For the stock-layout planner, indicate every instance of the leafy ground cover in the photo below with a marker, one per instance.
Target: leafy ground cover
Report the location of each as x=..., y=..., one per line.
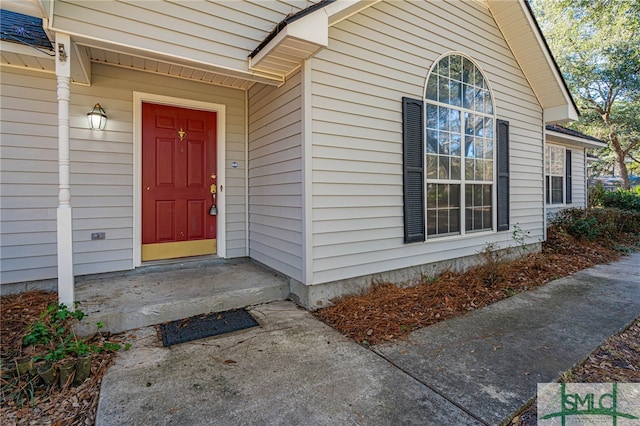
x=36, y=328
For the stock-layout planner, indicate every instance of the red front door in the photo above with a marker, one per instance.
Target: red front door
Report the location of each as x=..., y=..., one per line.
x=178, y=176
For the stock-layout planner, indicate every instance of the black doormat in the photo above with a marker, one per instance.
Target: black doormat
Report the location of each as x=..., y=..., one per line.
x=202, y=326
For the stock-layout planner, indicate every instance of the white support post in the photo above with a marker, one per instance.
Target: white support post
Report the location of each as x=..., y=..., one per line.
x=66, y=290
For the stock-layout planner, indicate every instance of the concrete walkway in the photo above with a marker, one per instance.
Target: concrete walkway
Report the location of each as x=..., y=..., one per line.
x=294, y=370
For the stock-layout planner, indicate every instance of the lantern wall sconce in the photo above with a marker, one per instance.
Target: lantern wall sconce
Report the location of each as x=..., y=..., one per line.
x=97, y=118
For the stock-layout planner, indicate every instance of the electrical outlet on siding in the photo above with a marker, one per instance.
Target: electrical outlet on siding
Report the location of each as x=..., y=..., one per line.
x=98, y=235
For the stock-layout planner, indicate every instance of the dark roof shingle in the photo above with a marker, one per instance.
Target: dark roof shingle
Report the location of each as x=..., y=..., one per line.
x=24, y=29
x=566, y=131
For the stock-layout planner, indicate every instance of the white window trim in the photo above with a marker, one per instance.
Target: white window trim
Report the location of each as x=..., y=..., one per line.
x=462, y=181
x=547, y=194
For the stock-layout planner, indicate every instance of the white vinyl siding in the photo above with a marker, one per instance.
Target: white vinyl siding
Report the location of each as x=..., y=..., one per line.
x=275, y=176
x=373, y=59
x=28, y=177
x=221, y=33
x=101, y=169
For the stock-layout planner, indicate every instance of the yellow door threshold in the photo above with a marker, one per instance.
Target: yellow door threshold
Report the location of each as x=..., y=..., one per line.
x=178, y=249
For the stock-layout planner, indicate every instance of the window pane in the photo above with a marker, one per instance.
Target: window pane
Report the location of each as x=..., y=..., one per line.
x=467, y=96
x=486, y=194
x=432, y=88
x=443, y=195
x=468, y=169
x=488, y=106
x=478, y=147
x=468, y=123
x=454, y=195
x=488, y=148
x=487, y=217
x=556, y=189
x=443, y=89
x=455, y=144
x=468, y=71
x=478, y=80
x=477, y=219
x=432, y=117
x=443, y=118
x=488, y=126
x=455, y=93
x=454, y=220
x=547, y=160
x=431, y=222
x=431, y=196
x=444, y=66
x=455, y=168
x=478, y=124
x=478, y=101
x=443, y=221
x=432, y=166
x=469, y=151
x=443, y=167
x=477, y=195
x=432, y=141
x=443, y=143
x=455, y=67
x=454, y=120
x=488, y=170
x=479, y=174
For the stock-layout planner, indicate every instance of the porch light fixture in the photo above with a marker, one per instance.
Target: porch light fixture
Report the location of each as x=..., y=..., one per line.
x=97, y=118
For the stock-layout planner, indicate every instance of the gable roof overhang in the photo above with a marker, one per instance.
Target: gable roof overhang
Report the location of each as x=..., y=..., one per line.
x=521, y=31
x=562, y=135
x=301, y=35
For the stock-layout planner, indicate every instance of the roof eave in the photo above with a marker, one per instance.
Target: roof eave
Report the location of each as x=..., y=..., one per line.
x=555, y=99
x=301, y=36
x=557, y=137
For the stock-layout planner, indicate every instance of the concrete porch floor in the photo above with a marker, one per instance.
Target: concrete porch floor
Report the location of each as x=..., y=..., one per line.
x=157, y=293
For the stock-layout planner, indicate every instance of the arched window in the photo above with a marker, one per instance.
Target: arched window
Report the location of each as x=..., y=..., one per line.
x=459, y=166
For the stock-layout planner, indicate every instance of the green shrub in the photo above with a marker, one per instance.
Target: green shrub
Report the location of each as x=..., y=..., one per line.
x=607, y=225
x=624, y=199
x=595, y=195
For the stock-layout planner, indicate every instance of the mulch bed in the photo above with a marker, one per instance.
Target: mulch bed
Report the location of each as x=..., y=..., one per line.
x=384, y=313
x=24, y=401
x=389, y=312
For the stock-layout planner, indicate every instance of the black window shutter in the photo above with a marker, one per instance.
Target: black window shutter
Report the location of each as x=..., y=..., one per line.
x=413, y=166
x=567, y=171
x=503, y=175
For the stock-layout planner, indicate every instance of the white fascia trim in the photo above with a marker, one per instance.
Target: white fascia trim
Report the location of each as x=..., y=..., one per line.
x=572, y=113
x=560, y=114
x=220, y=110
x=22, y=49
x=344, y=9
x=561, y=138
x=312, y=28
x=178, y=60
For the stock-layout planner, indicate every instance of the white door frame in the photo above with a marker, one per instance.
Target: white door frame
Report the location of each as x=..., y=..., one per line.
x=220, y=110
